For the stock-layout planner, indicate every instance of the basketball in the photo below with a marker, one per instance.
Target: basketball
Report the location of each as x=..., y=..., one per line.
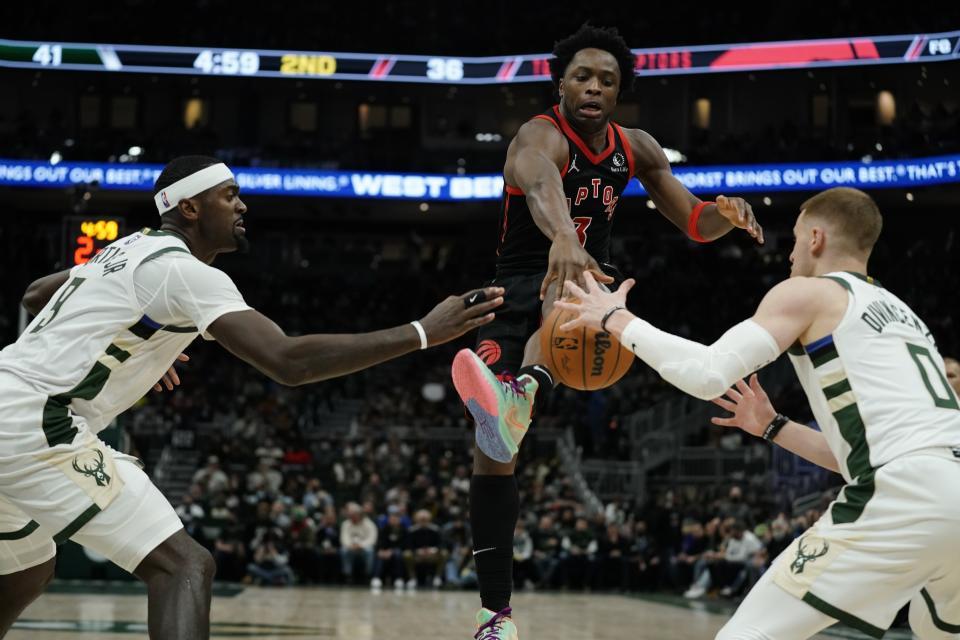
x=584, y=359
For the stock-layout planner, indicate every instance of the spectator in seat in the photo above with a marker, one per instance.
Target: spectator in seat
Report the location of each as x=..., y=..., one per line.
x=391, y=544
x=426, y=555
x=358, y=539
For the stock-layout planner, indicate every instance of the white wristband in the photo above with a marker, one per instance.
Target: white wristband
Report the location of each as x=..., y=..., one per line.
x=423, y=334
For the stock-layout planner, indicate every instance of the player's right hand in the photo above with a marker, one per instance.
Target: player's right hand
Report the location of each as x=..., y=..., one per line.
x=568, y=260
x=171, y=379
x=458, y=314
x=751, y=408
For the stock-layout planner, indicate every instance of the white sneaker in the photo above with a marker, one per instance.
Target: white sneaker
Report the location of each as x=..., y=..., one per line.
x=376, y=584
x=437, y=582
x=398, y=584
x=694, y=592
x=412, y=584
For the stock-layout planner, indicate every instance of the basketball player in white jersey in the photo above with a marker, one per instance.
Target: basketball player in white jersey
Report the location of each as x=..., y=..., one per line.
x=103, y=334
x=889, y=423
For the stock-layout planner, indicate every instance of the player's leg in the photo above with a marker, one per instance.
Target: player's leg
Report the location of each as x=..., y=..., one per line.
x=486, y=384
x=27, y=558
x=179, y=578
x=501, y=383
x=18, y=590
x=770, y=613
x=141, y=533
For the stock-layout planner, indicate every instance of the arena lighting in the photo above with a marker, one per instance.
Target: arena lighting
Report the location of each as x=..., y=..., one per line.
x=708, y=180
x=674, y=156
x=319, y=65
x=55, y=158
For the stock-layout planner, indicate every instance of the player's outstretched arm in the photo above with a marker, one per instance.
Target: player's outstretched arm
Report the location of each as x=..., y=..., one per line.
x=703, y=371
x=534, y=162
x=40, y=291
x=296, y=360
x=676, y=202
x=751, y=411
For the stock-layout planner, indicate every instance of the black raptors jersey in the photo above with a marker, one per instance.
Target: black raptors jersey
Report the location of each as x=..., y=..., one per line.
x=593, y=184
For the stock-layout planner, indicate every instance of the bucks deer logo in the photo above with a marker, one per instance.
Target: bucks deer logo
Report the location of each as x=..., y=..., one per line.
x=93, y=468
x=806, y=554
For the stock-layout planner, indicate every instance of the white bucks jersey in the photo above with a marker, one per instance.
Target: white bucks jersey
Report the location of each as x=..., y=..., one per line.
x=93, y=351
x=877, y=385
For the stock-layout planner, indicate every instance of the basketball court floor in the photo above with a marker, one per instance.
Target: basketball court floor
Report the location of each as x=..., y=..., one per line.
x=90, y=611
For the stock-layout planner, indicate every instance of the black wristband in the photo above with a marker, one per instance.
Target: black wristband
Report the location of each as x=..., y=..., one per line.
x=774, y=427
x=606, y=316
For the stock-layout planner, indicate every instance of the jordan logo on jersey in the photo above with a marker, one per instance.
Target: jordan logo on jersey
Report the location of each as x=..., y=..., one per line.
x=93, y=467
x=573, y=165
x=805, y=555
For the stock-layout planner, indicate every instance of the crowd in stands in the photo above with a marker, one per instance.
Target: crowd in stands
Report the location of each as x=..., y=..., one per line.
x=395, y=513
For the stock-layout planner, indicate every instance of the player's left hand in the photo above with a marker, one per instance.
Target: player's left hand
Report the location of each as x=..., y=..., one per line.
x=739, y=213
x=170, y=379
x=751, y=407
x=594, y=302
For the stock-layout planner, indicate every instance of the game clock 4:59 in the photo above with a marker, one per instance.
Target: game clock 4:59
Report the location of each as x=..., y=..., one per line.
x=85, y=236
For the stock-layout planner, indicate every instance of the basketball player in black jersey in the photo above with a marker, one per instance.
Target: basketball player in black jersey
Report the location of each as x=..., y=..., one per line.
x=565, y=173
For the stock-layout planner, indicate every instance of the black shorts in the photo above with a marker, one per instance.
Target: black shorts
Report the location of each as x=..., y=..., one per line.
x=501, y=343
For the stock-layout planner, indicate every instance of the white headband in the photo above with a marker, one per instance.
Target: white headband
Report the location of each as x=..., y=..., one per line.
x=191, y=185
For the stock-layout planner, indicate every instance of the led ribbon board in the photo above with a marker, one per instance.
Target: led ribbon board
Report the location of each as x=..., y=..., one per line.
x=761, y=56
x=732, y=179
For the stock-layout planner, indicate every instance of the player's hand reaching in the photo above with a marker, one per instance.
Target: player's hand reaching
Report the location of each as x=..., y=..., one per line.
x=740, y=214
x=458, y=314
x=171, y=379
x=568, y=261
x=750, y=406
x=595, y=302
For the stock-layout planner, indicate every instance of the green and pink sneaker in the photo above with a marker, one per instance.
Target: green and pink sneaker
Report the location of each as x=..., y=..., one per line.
x=495, y=625
x=501, y=406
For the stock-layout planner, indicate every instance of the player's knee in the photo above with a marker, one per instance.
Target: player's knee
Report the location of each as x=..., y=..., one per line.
x=205, y=564
x=196, y=562
x=181, y=558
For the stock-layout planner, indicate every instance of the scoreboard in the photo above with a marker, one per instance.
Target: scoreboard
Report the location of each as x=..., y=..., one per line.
x=85, y=236
x=195, y=61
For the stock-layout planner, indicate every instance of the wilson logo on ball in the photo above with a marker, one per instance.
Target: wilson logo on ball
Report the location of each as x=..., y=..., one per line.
x=601, y=345
x=489, y=351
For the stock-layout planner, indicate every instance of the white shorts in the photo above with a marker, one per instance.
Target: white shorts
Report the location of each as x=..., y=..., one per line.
x=83, y=491
x=883, y=543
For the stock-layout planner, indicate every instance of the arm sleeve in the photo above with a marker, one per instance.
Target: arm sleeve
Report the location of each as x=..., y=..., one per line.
x=182, y=291
x=702, y=371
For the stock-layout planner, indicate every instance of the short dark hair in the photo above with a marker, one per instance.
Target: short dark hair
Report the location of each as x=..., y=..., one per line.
x=851, y=212
x=590, y=37
x=180, y=168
